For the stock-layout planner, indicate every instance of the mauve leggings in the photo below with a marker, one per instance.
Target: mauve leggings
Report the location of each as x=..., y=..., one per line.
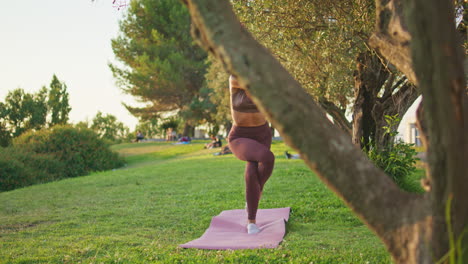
x=252, y=144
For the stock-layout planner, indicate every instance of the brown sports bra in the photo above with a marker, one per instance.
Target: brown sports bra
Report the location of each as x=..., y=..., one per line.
x=241, y=102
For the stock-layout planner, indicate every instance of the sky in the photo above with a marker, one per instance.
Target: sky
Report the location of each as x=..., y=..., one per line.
x=68, y=38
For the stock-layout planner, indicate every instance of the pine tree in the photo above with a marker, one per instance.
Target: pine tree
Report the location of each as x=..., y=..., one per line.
x=162, y=65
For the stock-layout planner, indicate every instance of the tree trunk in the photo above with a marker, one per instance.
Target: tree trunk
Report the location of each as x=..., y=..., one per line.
x=409, y=222
x=188, y=130
x=369, y=78
x=377, y=95
x=438, y=63
x=228, y=127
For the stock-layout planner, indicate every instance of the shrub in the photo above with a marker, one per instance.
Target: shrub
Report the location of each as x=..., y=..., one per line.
x=397, y=161
x=20, y=167
x=5, y=136
x=398, y=158
x=79, y=149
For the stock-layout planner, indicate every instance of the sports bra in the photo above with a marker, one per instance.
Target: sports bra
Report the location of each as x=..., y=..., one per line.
x=241, y=102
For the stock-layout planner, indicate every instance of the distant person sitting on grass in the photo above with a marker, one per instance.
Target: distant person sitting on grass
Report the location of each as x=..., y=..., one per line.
x=184, y=140
x=224, y=150
x=215, y=143
x=139, y=136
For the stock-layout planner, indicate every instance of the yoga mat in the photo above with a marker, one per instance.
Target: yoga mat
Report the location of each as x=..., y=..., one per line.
x=228, y=230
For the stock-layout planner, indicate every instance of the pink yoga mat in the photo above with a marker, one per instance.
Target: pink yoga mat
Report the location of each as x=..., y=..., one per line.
x=228, y=230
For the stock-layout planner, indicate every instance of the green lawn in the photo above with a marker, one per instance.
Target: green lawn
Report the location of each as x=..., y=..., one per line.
x=166, y=196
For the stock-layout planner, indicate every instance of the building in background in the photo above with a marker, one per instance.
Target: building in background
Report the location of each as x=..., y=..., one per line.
x=408, y=131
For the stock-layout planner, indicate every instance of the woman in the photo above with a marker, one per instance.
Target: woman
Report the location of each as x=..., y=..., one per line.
x=250, y=141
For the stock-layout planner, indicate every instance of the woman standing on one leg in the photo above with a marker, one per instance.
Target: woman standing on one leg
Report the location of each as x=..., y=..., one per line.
x=250, y=141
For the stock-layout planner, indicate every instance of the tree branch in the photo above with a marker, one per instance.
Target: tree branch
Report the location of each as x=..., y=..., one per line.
x=391, y=38
x=388, y=89
x=397, y=53
x=337, y=113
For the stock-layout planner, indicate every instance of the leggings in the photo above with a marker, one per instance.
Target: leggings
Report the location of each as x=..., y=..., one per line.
x=252, y=144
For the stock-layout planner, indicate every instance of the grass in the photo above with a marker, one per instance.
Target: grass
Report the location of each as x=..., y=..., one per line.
x=166, y=196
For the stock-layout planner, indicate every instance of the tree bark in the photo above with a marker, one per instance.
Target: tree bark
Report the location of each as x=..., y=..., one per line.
x=391, y=37
x=438, y=63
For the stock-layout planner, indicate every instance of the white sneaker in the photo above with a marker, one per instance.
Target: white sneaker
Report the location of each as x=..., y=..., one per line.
x=252, y=229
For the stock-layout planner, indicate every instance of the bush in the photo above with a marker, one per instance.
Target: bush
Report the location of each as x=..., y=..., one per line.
x=79, y=149
x=397, y=159
x=48, y=155
x=5, y=136
x=20, y=167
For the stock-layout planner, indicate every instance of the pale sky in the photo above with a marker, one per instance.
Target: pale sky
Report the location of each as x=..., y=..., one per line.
x=69, y=38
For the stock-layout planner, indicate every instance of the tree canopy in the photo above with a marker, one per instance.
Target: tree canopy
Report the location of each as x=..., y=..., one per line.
x=161, y=65
x=317, y=41
x=22, y=111
x=107, y=127
x=324, y=45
